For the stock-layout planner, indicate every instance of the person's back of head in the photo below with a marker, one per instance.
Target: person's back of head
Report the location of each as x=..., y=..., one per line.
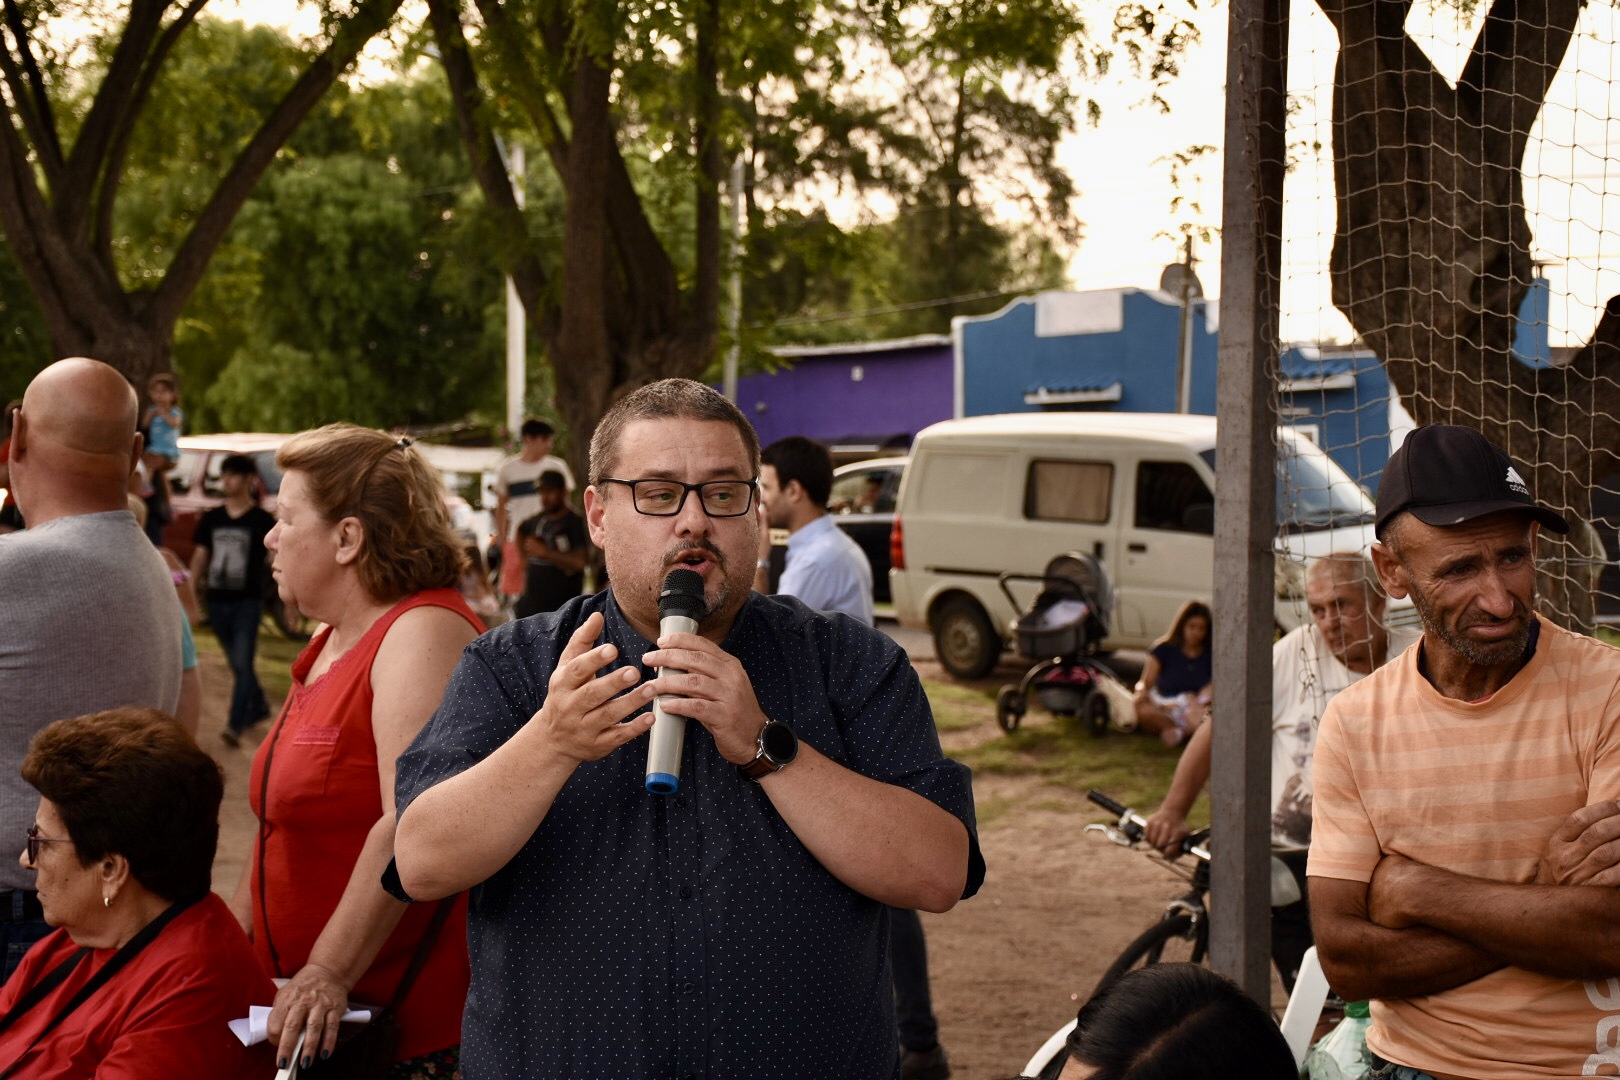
x=804, y=460
x=73, y=441
x=1178, y=1022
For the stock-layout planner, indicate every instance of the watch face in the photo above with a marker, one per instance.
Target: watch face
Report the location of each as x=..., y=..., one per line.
x=781, y=745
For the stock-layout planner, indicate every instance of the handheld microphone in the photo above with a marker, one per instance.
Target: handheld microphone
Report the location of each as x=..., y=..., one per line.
x=680, y=606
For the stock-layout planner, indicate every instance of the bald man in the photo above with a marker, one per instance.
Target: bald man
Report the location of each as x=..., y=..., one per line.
x=90, y=621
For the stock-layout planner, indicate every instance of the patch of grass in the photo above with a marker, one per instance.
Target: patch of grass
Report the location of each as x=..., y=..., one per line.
x=1058, y=751
x=958, y=708
x=986, y=812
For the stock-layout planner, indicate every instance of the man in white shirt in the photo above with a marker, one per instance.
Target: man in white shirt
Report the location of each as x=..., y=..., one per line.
x=828, y=571
x=1344, y=641
x=825, y=568
x=517, y=497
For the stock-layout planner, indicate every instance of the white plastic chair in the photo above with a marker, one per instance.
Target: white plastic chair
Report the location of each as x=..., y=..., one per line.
x=1305, y=1005
x=1049, y=1050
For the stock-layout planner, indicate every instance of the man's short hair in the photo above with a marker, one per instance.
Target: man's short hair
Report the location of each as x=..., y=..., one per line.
x=804, y=460
x=240, y=464
x=554, y=480
x=667, y=399
x=536, y=429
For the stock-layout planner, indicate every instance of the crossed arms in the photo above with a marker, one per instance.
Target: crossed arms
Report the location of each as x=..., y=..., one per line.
x=1416, y=929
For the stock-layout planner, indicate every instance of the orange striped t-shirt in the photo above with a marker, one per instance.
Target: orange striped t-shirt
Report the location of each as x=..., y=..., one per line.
x=1477, y=788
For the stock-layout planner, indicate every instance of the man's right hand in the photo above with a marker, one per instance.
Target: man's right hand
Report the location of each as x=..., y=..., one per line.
x=582, y=714
x=1585, y=849
x=1166, y=830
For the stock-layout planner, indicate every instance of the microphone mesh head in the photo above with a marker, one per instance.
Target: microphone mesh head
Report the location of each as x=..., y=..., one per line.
x=682, y=595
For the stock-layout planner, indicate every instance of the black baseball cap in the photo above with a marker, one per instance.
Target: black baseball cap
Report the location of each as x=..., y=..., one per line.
x=1447, y=475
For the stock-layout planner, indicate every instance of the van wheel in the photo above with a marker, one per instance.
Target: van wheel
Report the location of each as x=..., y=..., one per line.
x=964, y=640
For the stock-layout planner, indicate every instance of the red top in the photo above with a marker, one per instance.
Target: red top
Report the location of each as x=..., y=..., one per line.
x=323, y=801
x=164, y=1014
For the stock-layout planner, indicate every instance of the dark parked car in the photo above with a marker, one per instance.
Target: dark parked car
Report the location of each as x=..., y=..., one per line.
x=862, y=504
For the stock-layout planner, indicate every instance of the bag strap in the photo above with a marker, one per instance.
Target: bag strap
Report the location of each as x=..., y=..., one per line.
x=264, y=833
x=423, y=948
x=42, y=989
x=120, y=960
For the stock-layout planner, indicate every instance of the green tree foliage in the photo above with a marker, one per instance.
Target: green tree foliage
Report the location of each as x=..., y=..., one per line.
x=352, y=285
x=948, y=112
x=78, y=82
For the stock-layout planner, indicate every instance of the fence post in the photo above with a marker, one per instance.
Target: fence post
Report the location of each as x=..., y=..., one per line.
x=1245, y=502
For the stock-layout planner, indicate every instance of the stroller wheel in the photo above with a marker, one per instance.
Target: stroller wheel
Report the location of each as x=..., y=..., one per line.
x=1096, y=714
x=1010, y=706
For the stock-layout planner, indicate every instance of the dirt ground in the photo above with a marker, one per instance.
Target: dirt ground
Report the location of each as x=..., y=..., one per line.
x=1008, y=967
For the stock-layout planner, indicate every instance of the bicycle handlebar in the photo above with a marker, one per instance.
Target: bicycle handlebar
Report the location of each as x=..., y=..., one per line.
x=1134, y=826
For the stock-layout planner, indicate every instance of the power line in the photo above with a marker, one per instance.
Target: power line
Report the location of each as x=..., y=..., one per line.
x=849, y=316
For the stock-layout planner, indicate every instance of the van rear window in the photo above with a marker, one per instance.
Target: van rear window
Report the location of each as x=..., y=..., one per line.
x=1069, y=491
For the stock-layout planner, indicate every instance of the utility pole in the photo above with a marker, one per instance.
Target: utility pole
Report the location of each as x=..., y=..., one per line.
x=516, y=318
x=1189, y=285
x=739, y=174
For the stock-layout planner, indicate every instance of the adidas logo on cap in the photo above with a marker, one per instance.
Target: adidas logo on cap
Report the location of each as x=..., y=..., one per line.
x=1516, y=482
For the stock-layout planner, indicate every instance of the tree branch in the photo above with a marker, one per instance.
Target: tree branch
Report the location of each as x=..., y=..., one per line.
x=191, y=260
x=28, y=94
x=1516, y=55
x=112, y=171
x=531, y=93
x=528, y=275
x=73, y=196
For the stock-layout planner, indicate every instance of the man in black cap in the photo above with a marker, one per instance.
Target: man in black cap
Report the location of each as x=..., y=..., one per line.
x=1462, y=789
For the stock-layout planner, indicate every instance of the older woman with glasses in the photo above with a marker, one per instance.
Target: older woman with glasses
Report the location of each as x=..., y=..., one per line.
x=146, y=966
x=363, y=543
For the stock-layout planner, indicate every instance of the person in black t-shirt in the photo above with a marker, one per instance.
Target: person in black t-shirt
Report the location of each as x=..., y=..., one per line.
x=556, y=547
x=228, y=567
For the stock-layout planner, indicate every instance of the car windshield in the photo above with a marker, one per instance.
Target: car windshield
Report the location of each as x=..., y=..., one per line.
x=1312, y=491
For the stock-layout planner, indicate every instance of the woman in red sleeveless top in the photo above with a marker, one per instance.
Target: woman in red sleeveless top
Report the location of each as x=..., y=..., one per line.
x=363, y=543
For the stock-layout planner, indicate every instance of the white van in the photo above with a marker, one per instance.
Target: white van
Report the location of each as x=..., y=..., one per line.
x=988, y=494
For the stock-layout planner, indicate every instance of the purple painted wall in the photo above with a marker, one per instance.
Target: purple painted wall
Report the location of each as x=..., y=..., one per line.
x=852, y=396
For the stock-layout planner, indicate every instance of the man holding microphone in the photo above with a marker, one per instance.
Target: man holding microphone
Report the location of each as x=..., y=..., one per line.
x=734, y=928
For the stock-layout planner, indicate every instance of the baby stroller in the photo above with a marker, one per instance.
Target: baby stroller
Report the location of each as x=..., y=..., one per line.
x=1061, y=632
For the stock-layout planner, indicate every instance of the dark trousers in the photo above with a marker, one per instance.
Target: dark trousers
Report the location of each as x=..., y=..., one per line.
x=908, y=958
x=1291, y=925
x=236, y=624
x=21, y=924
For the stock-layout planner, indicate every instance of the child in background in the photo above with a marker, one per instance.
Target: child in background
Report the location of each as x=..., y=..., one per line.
x=162, y=422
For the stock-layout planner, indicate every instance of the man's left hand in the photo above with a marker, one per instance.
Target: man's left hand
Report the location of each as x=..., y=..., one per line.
x=713, y=690
x=1393, y=875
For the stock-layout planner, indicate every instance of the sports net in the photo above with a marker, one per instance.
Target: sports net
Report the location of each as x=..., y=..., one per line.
x=1449, y=253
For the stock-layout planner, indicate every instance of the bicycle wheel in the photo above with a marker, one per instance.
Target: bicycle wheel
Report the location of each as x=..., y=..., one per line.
x=1175, y=939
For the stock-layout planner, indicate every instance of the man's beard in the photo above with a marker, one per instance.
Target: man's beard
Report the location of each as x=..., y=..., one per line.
x=1502, y=652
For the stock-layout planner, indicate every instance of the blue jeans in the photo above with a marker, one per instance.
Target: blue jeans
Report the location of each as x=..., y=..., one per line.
x=236, y=624
x=17, y=933
x=1388, y=1070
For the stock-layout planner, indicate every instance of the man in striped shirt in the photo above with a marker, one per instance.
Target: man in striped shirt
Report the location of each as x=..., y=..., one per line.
x=1464, y=790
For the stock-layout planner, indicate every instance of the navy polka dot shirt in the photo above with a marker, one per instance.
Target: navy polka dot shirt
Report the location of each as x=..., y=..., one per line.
x=638, y=935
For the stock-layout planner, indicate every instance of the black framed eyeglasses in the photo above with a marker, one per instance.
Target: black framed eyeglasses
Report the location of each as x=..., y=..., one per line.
x=34, y=840
x=664, y=498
